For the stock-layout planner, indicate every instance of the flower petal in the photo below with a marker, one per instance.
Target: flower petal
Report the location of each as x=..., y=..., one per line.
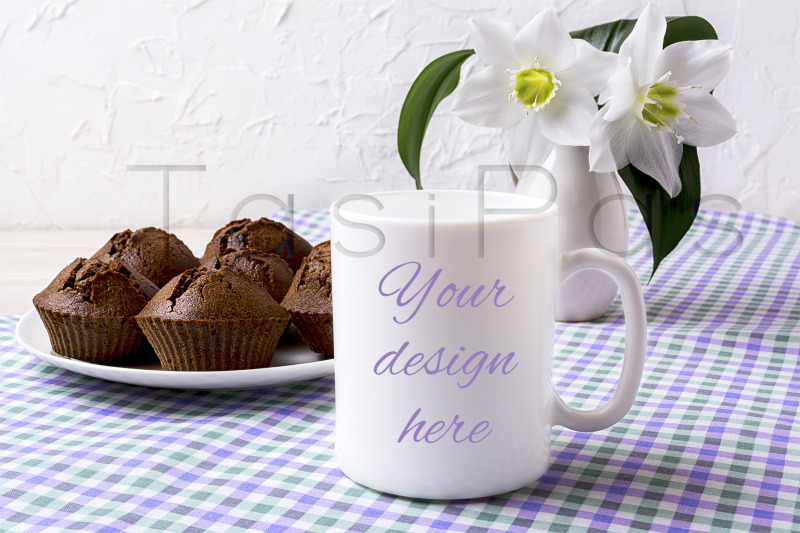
x=609, y=142
x=703, y=63
x=544, y=36
x=525, y=146
x=624, y=89
x=644, y=43
x=483, y=100
x=592, y=68
x=567, y=117
x=714, y=123
x=656, y=153
x=493, y=41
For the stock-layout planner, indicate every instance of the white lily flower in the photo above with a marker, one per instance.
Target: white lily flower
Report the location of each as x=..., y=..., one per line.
x=538, y=86
x=659, y=101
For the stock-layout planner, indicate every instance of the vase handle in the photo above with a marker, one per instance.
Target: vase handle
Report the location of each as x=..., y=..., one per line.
x=635, y=342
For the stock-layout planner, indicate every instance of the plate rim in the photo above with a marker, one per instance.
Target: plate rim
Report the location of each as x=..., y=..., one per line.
x=315, y=369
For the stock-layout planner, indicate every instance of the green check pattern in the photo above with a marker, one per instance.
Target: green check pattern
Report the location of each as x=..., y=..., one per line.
x=712, y=443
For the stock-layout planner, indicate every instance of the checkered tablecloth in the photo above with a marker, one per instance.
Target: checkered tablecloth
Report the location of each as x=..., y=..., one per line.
x=712, y=443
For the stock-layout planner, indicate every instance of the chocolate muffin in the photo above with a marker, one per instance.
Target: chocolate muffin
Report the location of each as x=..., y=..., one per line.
x=264, y=235
x=270, y=270
x=155, y=253
x=88, y=310
x=213, y=320
x=309, y=300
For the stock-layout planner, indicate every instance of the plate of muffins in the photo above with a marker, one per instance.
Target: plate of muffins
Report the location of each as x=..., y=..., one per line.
x=253, y=311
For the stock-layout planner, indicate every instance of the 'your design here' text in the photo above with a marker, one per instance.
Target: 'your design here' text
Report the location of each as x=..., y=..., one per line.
x=412, y=291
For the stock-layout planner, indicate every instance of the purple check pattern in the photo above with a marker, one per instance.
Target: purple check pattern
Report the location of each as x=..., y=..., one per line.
x=711, y=444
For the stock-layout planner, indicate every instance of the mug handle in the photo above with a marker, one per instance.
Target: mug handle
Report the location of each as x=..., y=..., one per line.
x=635, y=342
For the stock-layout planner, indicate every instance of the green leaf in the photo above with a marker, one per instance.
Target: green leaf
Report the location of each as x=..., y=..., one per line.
x=688, y=29
x=607, y=37
x=610, y=36
x=668, y=219
x=433, y=84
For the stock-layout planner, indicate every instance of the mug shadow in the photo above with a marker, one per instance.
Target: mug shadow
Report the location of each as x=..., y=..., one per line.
x=668, y=484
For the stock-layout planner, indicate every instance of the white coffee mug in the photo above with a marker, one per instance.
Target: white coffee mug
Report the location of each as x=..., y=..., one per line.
x=443, y=306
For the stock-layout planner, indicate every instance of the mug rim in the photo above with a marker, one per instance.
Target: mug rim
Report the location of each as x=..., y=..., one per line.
x=490, y=218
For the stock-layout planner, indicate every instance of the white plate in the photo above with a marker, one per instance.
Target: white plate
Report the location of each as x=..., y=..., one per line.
x=291, y=363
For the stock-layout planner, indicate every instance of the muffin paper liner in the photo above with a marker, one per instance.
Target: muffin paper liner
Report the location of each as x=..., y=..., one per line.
x=316, y=329
x=207, y=345
x=101, y=340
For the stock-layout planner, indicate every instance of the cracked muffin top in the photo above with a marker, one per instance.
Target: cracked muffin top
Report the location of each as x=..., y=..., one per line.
x=264, y=235
x=205, y=294
x=91, y=287
x=158, y=255
x=270, y=270
x=311, y=289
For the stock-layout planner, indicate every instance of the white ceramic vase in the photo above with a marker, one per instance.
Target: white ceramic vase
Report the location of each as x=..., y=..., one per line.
x=592, y=215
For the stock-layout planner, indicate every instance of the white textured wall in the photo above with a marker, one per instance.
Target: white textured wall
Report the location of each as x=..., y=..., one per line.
x=303, y=97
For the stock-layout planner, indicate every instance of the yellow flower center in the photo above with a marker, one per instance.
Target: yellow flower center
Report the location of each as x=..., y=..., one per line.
x=665, y=107
x=533, y=86
x=662, y=105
